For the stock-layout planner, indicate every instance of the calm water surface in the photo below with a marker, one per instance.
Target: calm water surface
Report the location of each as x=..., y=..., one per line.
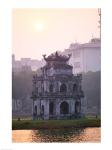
x=57, y=135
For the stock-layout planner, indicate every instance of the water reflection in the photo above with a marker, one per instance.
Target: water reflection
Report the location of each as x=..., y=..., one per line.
x=57, y=135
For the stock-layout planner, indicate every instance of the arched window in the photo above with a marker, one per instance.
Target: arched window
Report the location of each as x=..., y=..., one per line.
x=51, y=108
x=63, y=88
x=64, y=108
x=77, y=107
x=36, y=89
x=51, y=88
x=42, y=111
x=75, y=88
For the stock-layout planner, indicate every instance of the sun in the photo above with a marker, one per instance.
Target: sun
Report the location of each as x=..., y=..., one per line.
x=40, y=26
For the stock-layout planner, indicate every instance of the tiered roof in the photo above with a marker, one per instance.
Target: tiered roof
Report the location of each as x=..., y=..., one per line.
x=57, y=57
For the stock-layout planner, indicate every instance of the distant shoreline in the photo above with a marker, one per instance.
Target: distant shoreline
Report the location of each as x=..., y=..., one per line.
x=55, y=124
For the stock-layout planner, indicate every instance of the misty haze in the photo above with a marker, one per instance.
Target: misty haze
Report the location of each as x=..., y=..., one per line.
x=56, y=74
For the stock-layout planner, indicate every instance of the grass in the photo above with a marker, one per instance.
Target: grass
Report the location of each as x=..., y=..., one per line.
x=55, y=124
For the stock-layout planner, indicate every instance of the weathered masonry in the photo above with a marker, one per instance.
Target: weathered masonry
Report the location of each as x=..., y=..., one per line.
x=57, y=93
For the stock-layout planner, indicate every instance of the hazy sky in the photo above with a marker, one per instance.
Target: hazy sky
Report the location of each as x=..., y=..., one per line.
x=43, y=31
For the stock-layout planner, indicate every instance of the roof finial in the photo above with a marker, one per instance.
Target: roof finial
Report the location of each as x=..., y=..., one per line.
x=56, y=53
x=69, y=55
x=44, y=56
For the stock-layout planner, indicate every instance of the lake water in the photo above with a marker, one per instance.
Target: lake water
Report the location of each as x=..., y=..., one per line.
x=57, y=135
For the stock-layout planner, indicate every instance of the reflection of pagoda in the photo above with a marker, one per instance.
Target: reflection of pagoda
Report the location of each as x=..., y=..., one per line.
x=57, y=92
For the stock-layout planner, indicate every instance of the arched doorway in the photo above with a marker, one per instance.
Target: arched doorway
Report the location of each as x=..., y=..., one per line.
x=35, y=110
x=77, y=107
x=51, y=108
x=51, y=88
x=64, y=108
x=63, y=88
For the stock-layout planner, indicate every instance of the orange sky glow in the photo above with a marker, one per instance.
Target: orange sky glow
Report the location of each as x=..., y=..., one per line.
x=43, y=31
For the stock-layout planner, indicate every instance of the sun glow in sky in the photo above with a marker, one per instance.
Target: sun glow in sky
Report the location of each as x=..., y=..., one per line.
x=42, y=31
x=40, y=26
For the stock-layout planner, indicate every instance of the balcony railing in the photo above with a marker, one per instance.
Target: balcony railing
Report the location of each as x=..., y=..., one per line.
x=65, y=94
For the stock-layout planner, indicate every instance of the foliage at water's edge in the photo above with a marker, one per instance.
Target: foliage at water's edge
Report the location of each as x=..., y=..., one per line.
x=55, y=124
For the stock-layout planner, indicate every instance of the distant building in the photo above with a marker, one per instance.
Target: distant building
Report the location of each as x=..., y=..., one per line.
x=26, y=68
x=16, y=65
x=85, y=57
x=25, y=63
x=57, y=93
